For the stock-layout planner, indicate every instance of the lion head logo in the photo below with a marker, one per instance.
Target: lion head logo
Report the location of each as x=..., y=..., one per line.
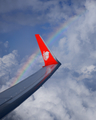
x=45, y=55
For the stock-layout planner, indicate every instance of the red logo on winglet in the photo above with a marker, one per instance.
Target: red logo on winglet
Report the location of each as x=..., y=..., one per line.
x=46, y=54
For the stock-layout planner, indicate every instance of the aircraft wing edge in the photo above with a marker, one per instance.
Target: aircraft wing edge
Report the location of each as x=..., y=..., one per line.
x=14, y=96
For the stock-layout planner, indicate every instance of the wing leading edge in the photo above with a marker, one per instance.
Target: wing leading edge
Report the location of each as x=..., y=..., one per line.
x=14, y=96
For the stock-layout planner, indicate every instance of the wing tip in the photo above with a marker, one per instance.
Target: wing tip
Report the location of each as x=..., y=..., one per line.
x=48, y=58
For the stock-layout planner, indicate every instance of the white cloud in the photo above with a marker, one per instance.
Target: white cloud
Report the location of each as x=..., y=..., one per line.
x=6, y=44
x=65, y=100
x=89, y=69
x=9, y=60
x=13, y=13
x=62, y=43
x=63, y=96
x=3, y=48
x=80, y=43
x=8, y=65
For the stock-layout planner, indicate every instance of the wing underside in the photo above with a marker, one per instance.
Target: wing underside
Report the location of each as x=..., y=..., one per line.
x=14, y=96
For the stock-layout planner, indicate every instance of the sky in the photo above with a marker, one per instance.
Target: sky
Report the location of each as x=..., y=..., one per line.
x=68, y=27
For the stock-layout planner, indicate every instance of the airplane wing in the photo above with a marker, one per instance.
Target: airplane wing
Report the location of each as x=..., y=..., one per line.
x=15, y=95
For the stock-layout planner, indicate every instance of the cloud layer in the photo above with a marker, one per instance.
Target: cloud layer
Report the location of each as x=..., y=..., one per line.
x=14, y=14
x=70, y=93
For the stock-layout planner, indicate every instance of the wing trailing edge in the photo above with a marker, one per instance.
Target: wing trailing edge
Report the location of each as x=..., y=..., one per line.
x=15, y=95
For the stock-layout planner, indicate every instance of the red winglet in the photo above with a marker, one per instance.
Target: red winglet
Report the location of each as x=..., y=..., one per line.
x=46, y=54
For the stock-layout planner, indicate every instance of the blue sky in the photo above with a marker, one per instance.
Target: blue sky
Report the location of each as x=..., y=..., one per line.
x=70, y=93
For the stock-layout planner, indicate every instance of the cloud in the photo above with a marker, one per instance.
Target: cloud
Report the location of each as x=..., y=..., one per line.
x=65, y=100
x=6, y=44
x=7, y=6
x=15, y=14
x=8, y=65
x=70, y=93
x=80, y=40
x=3, y=48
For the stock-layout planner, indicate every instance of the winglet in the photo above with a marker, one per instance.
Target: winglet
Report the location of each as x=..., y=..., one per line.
x=46, y=54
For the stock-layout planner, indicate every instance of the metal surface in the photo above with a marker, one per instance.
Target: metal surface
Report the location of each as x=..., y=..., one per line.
x=14, y=96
